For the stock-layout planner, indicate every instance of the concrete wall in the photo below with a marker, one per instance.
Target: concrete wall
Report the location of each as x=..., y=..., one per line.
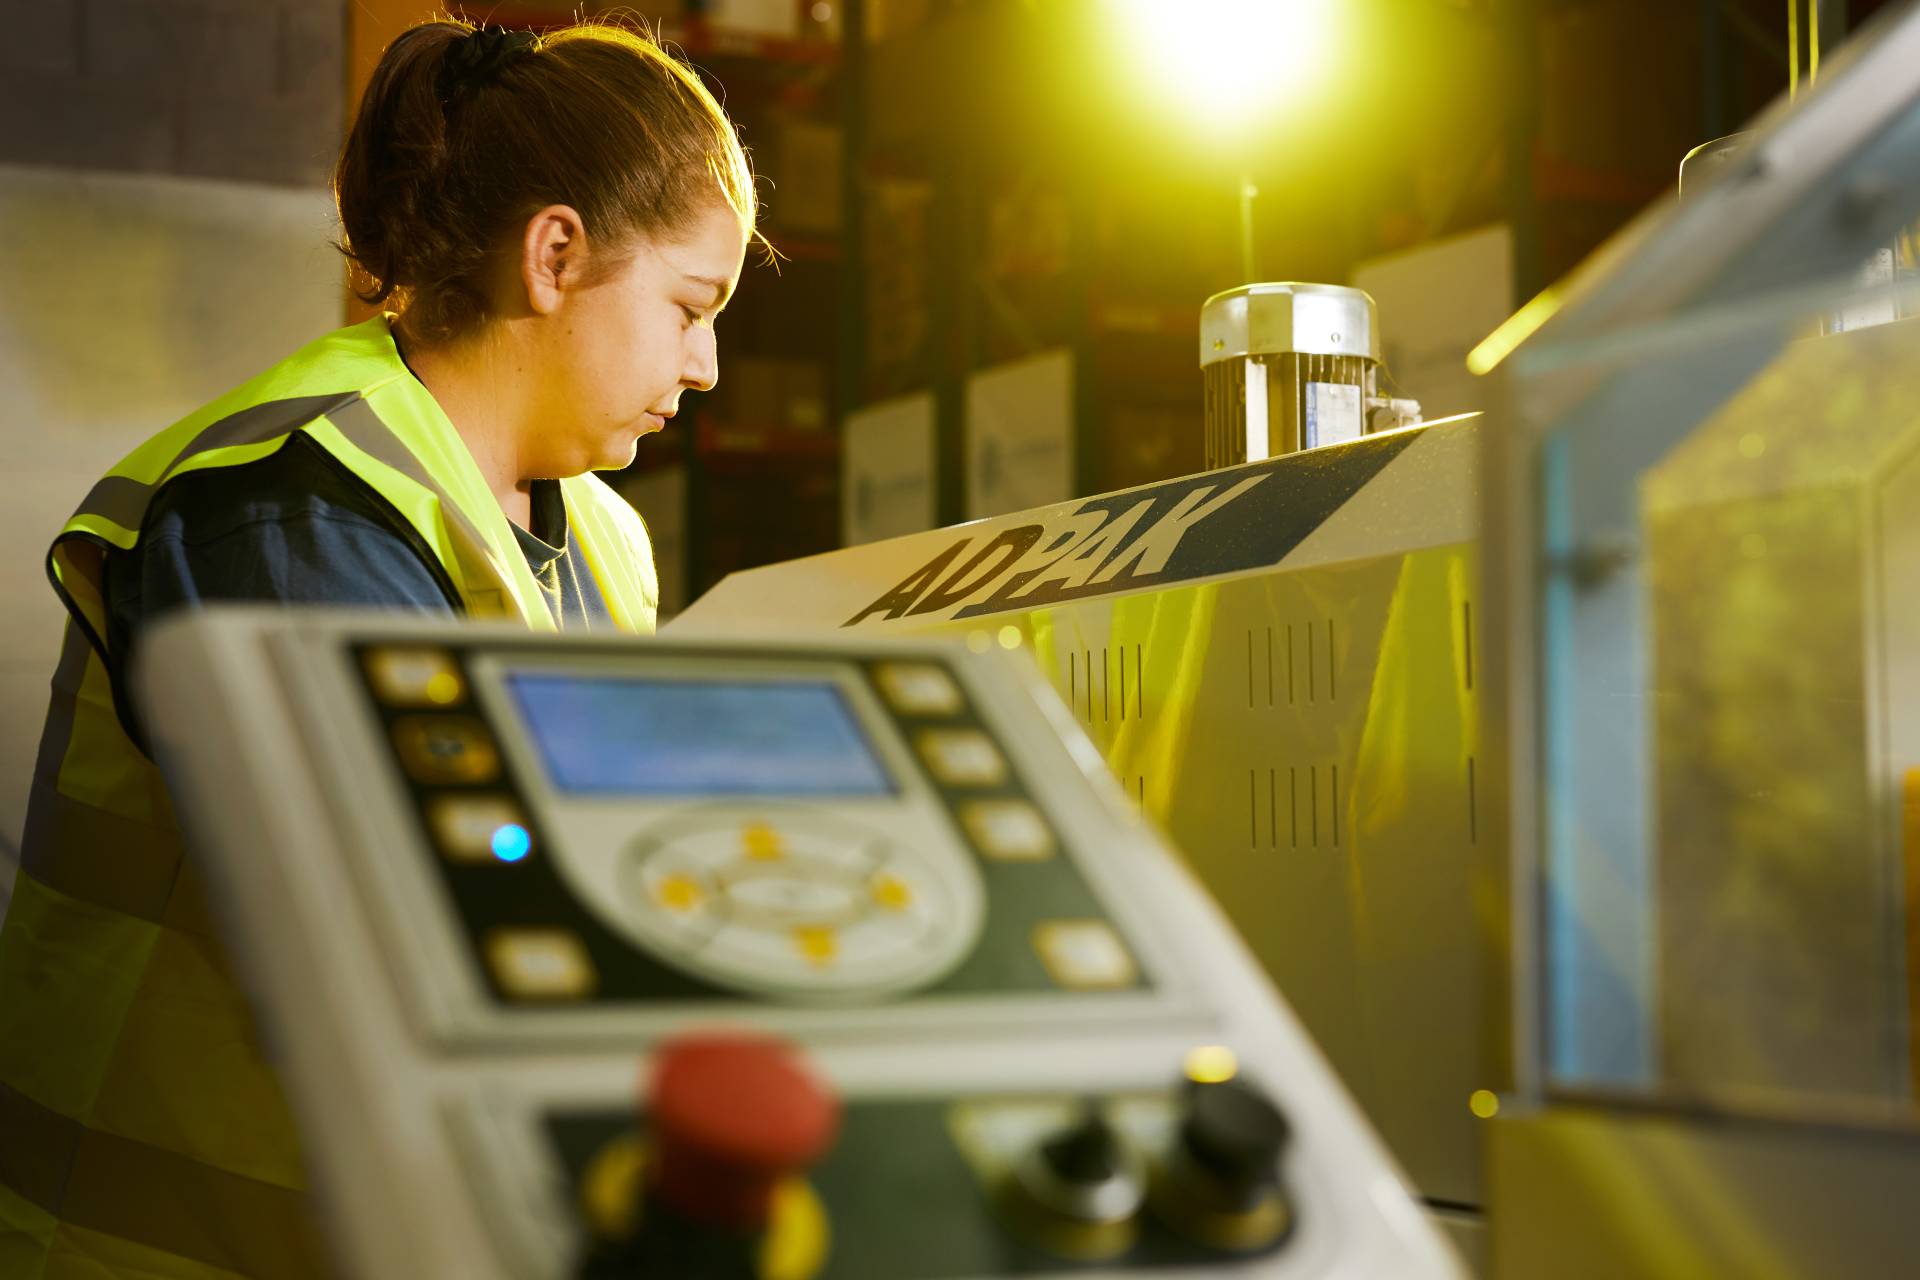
x=164, y=234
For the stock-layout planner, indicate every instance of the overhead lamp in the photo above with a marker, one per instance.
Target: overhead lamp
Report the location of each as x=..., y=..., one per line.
x=1228, y=62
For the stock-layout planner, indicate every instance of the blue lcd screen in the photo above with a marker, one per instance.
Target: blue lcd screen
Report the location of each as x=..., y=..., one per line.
x=624, y=736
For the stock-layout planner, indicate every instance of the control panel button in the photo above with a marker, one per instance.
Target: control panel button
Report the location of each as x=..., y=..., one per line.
x=819, y=944
x=680, y=893
x=540, y=964
x=731, y=1116
x=962, y=757
x=1084, y=955
x=488, y=829
x=890, y=892
x=715, y=1186
x=762, y=843
x=416, y=677
x=446, y=749
x=918, y=689
x=1008, y=830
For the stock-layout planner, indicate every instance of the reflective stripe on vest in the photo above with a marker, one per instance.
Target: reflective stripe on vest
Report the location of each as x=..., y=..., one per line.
x=141, y=1133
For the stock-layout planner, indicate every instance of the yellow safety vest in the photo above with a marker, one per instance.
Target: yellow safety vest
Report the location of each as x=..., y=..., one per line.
x=141, y=1132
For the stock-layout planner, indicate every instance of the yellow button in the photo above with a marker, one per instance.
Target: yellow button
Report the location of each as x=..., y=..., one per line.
x=540, y=964
x=918, y=689
x=416, y=677
x=464, y=826
x=1084, y=955
x=446, y=749
x=892, y=893
x=962, y=757
x=1008, y=830
x=818, y=944
x=679, y=892
x=762, y=843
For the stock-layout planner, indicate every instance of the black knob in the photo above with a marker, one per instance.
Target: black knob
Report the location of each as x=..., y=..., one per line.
x=1077, y=1193
x=1090, y=1152
x=1235, y=1134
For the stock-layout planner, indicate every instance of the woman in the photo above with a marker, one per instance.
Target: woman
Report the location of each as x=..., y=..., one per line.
x=559, y=220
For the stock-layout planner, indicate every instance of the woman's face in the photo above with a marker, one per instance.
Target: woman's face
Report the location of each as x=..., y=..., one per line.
x=622, y=348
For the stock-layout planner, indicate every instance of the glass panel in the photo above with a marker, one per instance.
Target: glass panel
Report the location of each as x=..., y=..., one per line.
x=1728, y=627
x=1731, y=611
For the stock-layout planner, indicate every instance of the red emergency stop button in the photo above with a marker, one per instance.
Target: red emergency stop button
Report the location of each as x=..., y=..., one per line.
x=730, y=1115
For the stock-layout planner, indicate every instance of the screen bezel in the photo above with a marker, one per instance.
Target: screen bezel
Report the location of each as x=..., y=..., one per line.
x=488, y=669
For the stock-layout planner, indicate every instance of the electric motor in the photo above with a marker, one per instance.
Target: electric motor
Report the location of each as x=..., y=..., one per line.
x=1290, y=366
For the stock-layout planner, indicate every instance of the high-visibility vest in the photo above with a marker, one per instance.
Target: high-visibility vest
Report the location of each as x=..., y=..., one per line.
x=141, y=1132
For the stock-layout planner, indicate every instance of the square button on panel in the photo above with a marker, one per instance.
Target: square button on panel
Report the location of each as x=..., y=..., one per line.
x=484, y=828
x=441, y=749
x=962, y=757
x=540, y=964
x=918, y=689
x=416, y=677
x=1084, y=955
x=1008, y=830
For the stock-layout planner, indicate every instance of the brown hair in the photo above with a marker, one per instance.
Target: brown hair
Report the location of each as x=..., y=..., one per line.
x=452, y=152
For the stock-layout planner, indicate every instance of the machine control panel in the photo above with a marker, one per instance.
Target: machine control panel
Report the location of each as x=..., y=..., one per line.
x=590, y=957
x=617, y=833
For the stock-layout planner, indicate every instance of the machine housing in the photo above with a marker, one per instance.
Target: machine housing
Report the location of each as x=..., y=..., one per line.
x=1278, y=662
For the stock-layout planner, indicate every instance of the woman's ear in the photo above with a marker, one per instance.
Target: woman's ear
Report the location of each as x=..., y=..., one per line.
x=553, y=252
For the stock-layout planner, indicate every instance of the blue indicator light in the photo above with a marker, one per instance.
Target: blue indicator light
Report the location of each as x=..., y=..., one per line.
x=511, y=842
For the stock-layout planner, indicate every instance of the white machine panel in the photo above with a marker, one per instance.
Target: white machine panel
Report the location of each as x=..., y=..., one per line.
x=475, y=877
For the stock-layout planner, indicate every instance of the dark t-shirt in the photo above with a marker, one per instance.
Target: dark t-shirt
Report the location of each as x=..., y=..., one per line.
x=296, y=527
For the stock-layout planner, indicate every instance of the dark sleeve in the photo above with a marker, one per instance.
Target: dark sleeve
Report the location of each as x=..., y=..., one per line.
x=294, y=527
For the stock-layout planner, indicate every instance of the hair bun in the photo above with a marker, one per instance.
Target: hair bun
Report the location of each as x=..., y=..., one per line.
x=479, y=59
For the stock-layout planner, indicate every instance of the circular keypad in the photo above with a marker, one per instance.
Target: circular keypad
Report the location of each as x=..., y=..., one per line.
x=797, y=903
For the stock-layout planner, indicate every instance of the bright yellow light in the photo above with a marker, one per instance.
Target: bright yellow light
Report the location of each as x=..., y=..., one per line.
x=1513, y=331
x=1230, y=60
x=1211, y=1064
x=1484, y=1103
x=1009, y=637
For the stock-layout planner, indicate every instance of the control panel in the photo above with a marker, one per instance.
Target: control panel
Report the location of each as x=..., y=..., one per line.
x=756, y=960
